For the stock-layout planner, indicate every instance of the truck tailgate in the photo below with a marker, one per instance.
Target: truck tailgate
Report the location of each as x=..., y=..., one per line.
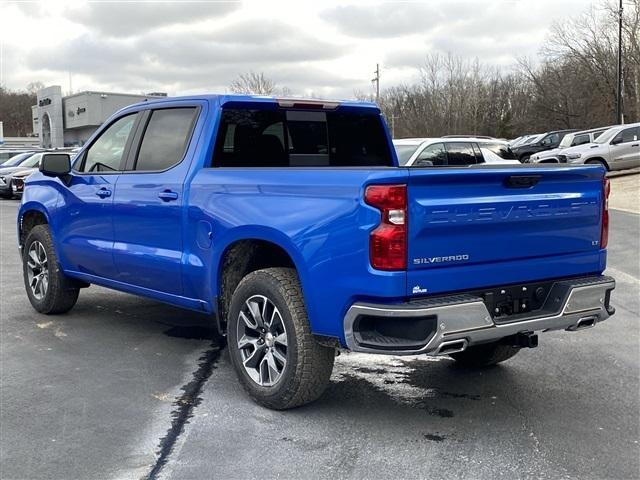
x=490, y=226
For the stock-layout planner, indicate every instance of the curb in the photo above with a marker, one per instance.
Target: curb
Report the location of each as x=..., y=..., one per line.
x=623, y=173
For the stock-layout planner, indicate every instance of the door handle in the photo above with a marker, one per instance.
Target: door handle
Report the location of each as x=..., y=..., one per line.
x=636, y=145
x=168, y=195
x=103, y=193
x=522, y=181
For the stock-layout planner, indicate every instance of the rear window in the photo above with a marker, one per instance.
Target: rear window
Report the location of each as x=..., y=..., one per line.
x=297, y=138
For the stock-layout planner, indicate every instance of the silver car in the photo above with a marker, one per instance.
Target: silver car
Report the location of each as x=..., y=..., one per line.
x=570, y=140
x=617, y=148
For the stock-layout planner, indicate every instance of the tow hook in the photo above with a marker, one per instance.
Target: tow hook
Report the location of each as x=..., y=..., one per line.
x=524, y=340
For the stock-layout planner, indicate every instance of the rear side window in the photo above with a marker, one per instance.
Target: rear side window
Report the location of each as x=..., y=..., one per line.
x=580, y=139
x=165, y=138
x=460, y=154
x=297, y=138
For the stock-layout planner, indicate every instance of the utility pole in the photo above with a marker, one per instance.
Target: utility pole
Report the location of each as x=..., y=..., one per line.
x=619, y=118
x=393, y=125
x=376, y=80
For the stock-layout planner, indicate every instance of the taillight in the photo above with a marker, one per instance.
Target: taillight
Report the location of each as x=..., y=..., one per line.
x=604, y=233
x=388, y=242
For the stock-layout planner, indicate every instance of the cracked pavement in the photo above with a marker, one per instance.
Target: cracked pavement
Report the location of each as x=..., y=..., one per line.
x=95, y=393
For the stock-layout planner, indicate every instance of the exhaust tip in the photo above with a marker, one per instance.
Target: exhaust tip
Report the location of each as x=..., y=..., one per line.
x=453, y=346
x=583, y=323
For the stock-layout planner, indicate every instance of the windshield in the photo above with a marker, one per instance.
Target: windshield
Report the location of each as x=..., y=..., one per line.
x=404, y=152
x=533, y=139
x=606, y=136
x=33, y=161
x=566, y=141
x=16, y=159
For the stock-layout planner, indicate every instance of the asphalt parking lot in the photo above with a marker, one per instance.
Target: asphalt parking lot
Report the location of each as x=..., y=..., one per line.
x=123, y=387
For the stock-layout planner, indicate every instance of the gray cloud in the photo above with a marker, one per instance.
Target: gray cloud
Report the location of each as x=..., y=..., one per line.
x=205, y=60
x=133, y=19
x=384, y=20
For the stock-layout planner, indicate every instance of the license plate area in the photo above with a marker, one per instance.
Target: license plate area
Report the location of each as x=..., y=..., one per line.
x=507, y=303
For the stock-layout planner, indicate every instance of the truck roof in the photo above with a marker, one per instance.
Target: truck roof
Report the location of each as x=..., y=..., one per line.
x=283, y=101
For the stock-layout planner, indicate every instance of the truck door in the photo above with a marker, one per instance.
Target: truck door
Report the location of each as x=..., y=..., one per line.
x=148, y=203
x=85, y=232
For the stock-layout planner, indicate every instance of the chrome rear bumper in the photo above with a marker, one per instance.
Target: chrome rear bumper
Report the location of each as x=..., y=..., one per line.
x=463, y=320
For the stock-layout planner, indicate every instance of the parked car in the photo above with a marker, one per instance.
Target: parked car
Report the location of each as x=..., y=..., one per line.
x=30, y=164
x=211, y=213
x=524, y=139
x=15, y=159
x=450, y=151
x=16, y=183
x=570, y=140
x=618, y=148
x=7, y=153
x=485, y=137
x=547, y=141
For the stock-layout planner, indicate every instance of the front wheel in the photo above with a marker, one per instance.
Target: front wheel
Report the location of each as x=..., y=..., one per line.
x=47, y=287
x=272, y=350
x=485, y=355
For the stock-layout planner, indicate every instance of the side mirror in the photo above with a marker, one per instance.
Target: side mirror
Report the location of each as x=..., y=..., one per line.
x=55, y=164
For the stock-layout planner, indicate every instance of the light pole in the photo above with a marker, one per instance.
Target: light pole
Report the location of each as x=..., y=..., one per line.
x=619, y=118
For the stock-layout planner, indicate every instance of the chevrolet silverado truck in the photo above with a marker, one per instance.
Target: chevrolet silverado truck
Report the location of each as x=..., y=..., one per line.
x=290, y=223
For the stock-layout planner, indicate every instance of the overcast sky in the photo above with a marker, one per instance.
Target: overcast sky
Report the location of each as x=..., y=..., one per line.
x=324, y=48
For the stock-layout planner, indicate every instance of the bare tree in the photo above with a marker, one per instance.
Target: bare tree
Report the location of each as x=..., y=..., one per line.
x=253, y=83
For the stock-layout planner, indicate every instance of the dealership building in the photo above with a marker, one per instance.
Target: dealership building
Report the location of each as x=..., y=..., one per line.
x=69, y=121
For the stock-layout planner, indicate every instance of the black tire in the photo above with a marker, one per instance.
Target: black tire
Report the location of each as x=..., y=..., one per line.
x=305, y=375
x=484, y=355
x=59, y=296
x=525, y=158
x=598, y=162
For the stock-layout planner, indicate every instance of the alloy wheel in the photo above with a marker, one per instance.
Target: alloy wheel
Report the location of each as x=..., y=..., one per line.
x=262, y=340
x=38, y=270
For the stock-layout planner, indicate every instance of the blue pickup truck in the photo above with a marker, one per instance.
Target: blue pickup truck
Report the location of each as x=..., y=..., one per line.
x=291, y=224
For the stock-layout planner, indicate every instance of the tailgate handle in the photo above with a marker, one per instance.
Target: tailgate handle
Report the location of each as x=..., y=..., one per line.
x=522, y=181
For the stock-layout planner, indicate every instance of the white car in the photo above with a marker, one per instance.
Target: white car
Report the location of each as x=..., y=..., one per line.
x=453, y=152
x=617, y=148
x=570, y=140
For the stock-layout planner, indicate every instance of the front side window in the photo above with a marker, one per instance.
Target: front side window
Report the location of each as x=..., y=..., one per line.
x=435, y=155
x=550, y=139
x=460, y=154
x=105, y=155
x=165, y=138
x=627, y=135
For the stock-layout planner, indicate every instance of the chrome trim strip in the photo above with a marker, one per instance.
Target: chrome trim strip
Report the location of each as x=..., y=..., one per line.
x=470, y=320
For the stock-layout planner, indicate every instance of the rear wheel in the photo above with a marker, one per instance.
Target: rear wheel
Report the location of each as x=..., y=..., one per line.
x=485, y=355
x=272, y=350
x=47, y=287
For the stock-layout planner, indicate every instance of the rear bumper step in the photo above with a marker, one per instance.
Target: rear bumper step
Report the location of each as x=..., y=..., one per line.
x=449, y=324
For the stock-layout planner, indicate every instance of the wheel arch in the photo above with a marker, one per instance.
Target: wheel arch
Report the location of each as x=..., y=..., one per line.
x=31, y=214
x=598, y=160
x=244, y=254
